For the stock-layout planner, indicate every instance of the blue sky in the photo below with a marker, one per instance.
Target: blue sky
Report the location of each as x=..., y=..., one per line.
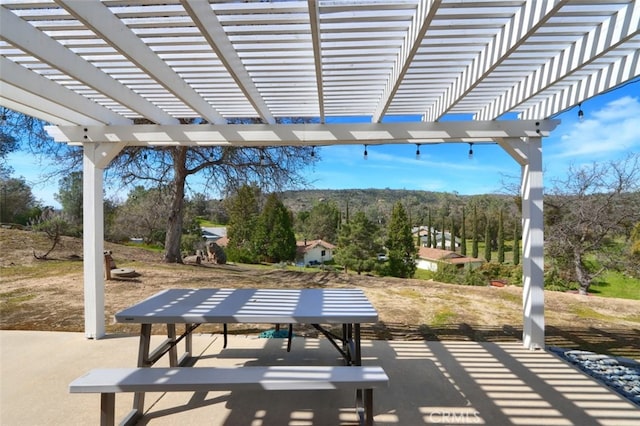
x=610, y=130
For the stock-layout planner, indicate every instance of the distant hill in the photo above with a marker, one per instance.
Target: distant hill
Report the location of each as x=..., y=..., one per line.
x=382, y=200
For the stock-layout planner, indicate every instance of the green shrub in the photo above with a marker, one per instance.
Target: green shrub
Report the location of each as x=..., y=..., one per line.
x=446, y=273
x=554, y=281
x=473, y=277
x=189, y=243
x=516, y=275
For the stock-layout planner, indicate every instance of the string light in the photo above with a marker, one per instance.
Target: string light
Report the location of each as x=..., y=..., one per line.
x=417, y=151
x=366, y=154
x=470, y=151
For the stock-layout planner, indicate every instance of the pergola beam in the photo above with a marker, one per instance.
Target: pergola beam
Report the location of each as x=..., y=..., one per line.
x=516, y=148
x=417, y=29
x=20, y=33
x=605, y=78
x=31, y=103
x=56, y=99
x=305, y=134
x=615, y=30
x=210, y=27
x=100, y=20
x=314, y=24
x=24, y=106
x=523, y=24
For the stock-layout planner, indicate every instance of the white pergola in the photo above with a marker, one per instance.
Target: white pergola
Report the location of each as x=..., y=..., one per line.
x=503, y=67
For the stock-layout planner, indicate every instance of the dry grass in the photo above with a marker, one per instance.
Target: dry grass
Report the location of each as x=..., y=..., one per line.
x=48, y=295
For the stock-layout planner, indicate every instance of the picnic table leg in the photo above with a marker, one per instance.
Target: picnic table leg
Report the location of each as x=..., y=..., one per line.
x=358, y=347
x=364, y=396
x=188, y=341
x=143, y=361
x=289, y=337
x=347, y=342
x=364, y=406
x=173, y=350
x=368, y=407
x=107, y=409
x=345, y=338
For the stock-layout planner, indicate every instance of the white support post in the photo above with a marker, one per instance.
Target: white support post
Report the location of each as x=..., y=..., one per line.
x=93, y=239
x=533, y=246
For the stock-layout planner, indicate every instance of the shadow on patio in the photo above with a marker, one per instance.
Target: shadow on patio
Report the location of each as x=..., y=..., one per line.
x=616, y=342
x=431, y=382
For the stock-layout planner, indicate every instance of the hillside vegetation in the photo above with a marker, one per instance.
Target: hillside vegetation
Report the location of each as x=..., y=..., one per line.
x=48, y=295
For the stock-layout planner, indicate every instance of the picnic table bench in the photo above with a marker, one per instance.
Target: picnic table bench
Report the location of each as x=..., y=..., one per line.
x=109, y=381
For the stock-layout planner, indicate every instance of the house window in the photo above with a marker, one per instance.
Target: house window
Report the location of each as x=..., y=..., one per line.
x=323, y=253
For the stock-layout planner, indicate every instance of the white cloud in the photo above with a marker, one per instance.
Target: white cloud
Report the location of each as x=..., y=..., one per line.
x=605, y=132
x=623, y=108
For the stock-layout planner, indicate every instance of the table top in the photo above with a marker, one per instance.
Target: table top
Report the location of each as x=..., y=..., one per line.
x=284, y=306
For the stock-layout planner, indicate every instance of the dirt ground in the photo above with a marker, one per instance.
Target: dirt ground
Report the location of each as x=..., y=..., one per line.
x=48, y=295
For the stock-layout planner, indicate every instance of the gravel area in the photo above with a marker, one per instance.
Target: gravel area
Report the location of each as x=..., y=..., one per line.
x=620, y=374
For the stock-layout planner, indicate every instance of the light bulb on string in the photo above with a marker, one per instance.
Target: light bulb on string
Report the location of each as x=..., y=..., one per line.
x=580, y=112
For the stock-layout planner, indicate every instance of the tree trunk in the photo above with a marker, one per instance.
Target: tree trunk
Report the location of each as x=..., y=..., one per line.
x=582, y=275
x=175, y=219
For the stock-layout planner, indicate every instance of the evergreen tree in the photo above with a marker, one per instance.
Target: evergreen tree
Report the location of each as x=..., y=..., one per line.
x=346, y=214
x=17, y=202
x=323, y=222
x=501, y=238
x=429, y=226
x=516, y=244
x=463, y=235
x=474, y=230
x=487, y=242
x=443, y=244
x=301, y=223
x=358, y=244
x=274, y=238
x=453, y=234
x=243, y=211
x=400, y=245
x=70, y=197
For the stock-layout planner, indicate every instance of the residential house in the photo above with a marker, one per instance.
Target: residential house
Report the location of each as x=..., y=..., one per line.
x=430, y=258
x=213, y=233
x=423, y=233
x=314, y=252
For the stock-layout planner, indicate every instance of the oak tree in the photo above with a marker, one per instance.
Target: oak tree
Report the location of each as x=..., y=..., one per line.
x=586, y=211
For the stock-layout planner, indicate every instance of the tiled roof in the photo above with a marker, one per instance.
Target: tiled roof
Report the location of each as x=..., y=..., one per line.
x=308, y=245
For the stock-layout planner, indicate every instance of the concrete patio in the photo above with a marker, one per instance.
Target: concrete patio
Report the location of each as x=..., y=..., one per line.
x=430, y=383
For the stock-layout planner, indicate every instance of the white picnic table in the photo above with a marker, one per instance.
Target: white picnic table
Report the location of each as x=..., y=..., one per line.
x=347, y=307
